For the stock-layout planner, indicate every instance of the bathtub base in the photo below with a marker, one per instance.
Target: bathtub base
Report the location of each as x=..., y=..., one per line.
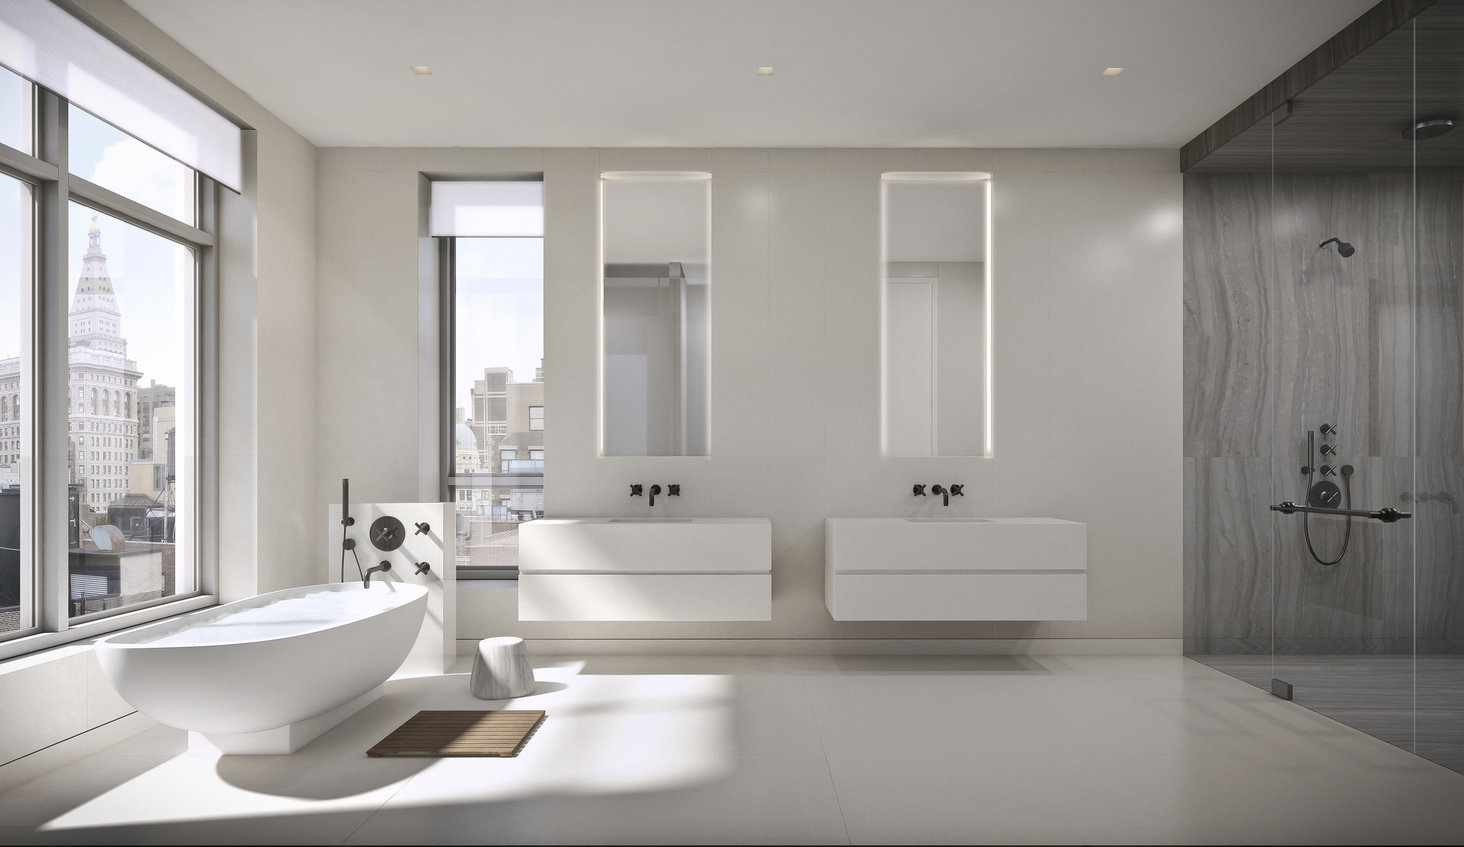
x=281, y=739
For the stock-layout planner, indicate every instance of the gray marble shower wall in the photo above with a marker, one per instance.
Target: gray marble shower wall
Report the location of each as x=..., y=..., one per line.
x=1280, y=337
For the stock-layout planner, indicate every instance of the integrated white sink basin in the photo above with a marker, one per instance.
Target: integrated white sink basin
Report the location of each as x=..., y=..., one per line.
x=645, y=569
x=960, y=568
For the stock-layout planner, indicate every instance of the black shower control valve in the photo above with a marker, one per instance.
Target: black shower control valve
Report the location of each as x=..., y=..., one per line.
x=919, y=490
x=423, y=567
x=1327, y=470
x=423, y=528
x=387, y=533
x=956, y=489
x=1328, y=450
x=673, y=489
x=1328, y=429
x=636, y=490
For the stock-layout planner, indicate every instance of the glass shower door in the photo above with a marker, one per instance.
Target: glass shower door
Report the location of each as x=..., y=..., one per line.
x=1343, y=329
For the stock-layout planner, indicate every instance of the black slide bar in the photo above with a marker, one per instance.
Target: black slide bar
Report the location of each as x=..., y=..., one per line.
x=1386, y=515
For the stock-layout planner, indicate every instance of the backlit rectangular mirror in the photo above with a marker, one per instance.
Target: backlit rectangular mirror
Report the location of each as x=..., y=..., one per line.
x=656, y=314
x=936, y=295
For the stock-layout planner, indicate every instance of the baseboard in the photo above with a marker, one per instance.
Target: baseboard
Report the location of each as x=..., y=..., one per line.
x=844, y=646
x=66, y=751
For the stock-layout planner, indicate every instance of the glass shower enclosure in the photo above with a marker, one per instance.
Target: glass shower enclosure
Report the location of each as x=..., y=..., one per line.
x=1324, y=374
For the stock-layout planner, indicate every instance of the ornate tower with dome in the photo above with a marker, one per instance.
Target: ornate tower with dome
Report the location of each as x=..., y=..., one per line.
x=102, y=437
x=102, y=385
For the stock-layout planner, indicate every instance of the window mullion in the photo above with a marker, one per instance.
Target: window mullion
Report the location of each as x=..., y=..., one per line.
x=51, y=519
x=206, y=352
x=27, y=167
x=106, y=200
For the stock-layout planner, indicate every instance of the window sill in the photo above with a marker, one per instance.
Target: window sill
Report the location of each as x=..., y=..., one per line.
x=20, y=651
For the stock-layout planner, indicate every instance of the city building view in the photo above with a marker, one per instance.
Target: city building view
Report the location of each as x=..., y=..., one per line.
x=499, y=466
x=120, y=459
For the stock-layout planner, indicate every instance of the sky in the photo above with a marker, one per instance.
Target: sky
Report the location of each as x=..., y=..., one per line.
x=151, y=276
x=500, y=310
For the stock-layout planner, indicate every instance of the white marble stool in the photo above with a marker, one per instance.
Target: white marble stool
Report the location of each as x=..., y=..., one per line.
x=501, y=669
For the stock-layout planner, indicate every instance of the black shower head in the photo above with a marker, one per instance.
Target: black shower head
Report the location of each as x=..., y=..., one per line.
x=1343, y=248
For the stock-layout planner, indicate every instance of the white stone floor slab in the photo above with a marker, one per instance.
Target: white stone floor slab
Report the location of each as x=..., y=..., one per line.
x=789, y=750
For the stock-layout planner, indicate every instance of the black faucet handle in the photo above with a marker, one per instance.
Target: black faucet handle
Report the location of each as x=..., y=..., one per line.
x=673, y=489
x=635, y=489
x=919, y=490
x=422, y=528
x=956, y=489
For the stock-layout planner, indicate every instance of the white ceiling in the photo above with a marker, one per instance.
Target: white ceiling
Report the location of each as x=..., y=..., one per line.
x=849, y=73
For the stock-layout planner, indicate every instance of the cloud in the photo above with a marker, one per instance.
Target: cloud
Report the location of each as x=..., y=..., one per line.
x=135, y=170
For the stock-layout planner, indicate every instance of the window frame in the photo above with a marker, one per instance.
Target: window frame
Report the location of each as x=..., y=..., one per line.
x=454, y=485
x=44, y=519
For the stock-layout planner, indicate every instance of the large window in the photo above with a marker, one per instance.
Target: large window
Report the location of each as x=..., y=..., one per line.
x=498, y=398
x=494, y=281
x=100, y=372
x=17, y=269
x=130, y=345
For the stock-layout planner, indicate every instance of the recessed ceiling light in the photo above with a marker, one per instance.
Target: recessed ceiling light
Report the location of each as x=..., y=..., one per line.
x=421, y=69
x=765, y=71
x=1112, y=71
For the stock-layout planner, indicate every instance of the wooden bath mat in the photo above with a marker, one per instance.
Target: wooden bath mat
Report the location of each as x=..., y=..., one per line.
x=461, y=733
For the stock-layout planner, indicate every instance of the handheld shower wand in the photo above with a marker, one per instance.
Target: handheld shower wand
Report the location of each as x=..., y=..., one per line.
x=347, y=521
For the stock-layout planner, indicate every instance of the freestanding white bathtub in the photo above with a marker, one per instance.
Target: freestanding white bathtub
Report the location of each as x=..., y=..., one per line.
x=270, y=673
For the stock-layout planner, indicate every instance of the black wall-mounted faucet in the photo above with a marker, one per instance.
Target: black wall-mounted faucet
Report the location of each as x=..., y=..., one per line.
x=655, y=489
x=366, y=580
x=947, y=493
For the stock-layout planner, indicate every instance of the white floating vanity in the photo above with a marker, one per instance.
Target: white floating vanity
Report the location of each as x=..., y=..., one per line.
x=646, y=569
x=946, y=569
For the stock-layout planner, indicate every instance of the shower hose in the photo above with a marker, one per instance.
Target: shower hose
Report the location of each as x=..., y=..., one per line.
x=1347, y=534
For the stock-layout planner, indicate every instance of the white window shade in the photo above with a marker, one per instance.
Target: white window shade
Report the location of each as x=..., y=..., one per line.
x=487, y=209
x=41, y=41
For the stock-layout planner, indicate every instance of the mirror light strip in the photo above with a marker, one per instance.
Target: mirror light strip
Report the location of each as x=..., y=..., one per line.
x=935, y=176
x=990, y=349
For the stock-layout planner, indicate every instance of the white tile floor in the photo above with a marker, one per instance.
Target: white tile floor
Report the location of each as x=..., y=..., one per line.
x=1026, y=750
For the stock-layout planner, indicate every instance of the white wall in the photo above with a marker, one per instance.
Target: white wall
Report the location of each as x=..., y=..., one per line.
x=1087, y=290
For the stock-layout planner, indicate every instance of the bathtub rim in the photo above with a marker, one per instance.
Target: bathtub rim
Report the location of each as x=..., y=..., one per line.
x=122, y=640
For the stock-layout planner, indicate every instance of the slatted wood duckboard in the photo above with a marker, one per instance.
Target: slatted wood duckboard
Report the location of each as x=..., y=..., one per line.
x=461, y=733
